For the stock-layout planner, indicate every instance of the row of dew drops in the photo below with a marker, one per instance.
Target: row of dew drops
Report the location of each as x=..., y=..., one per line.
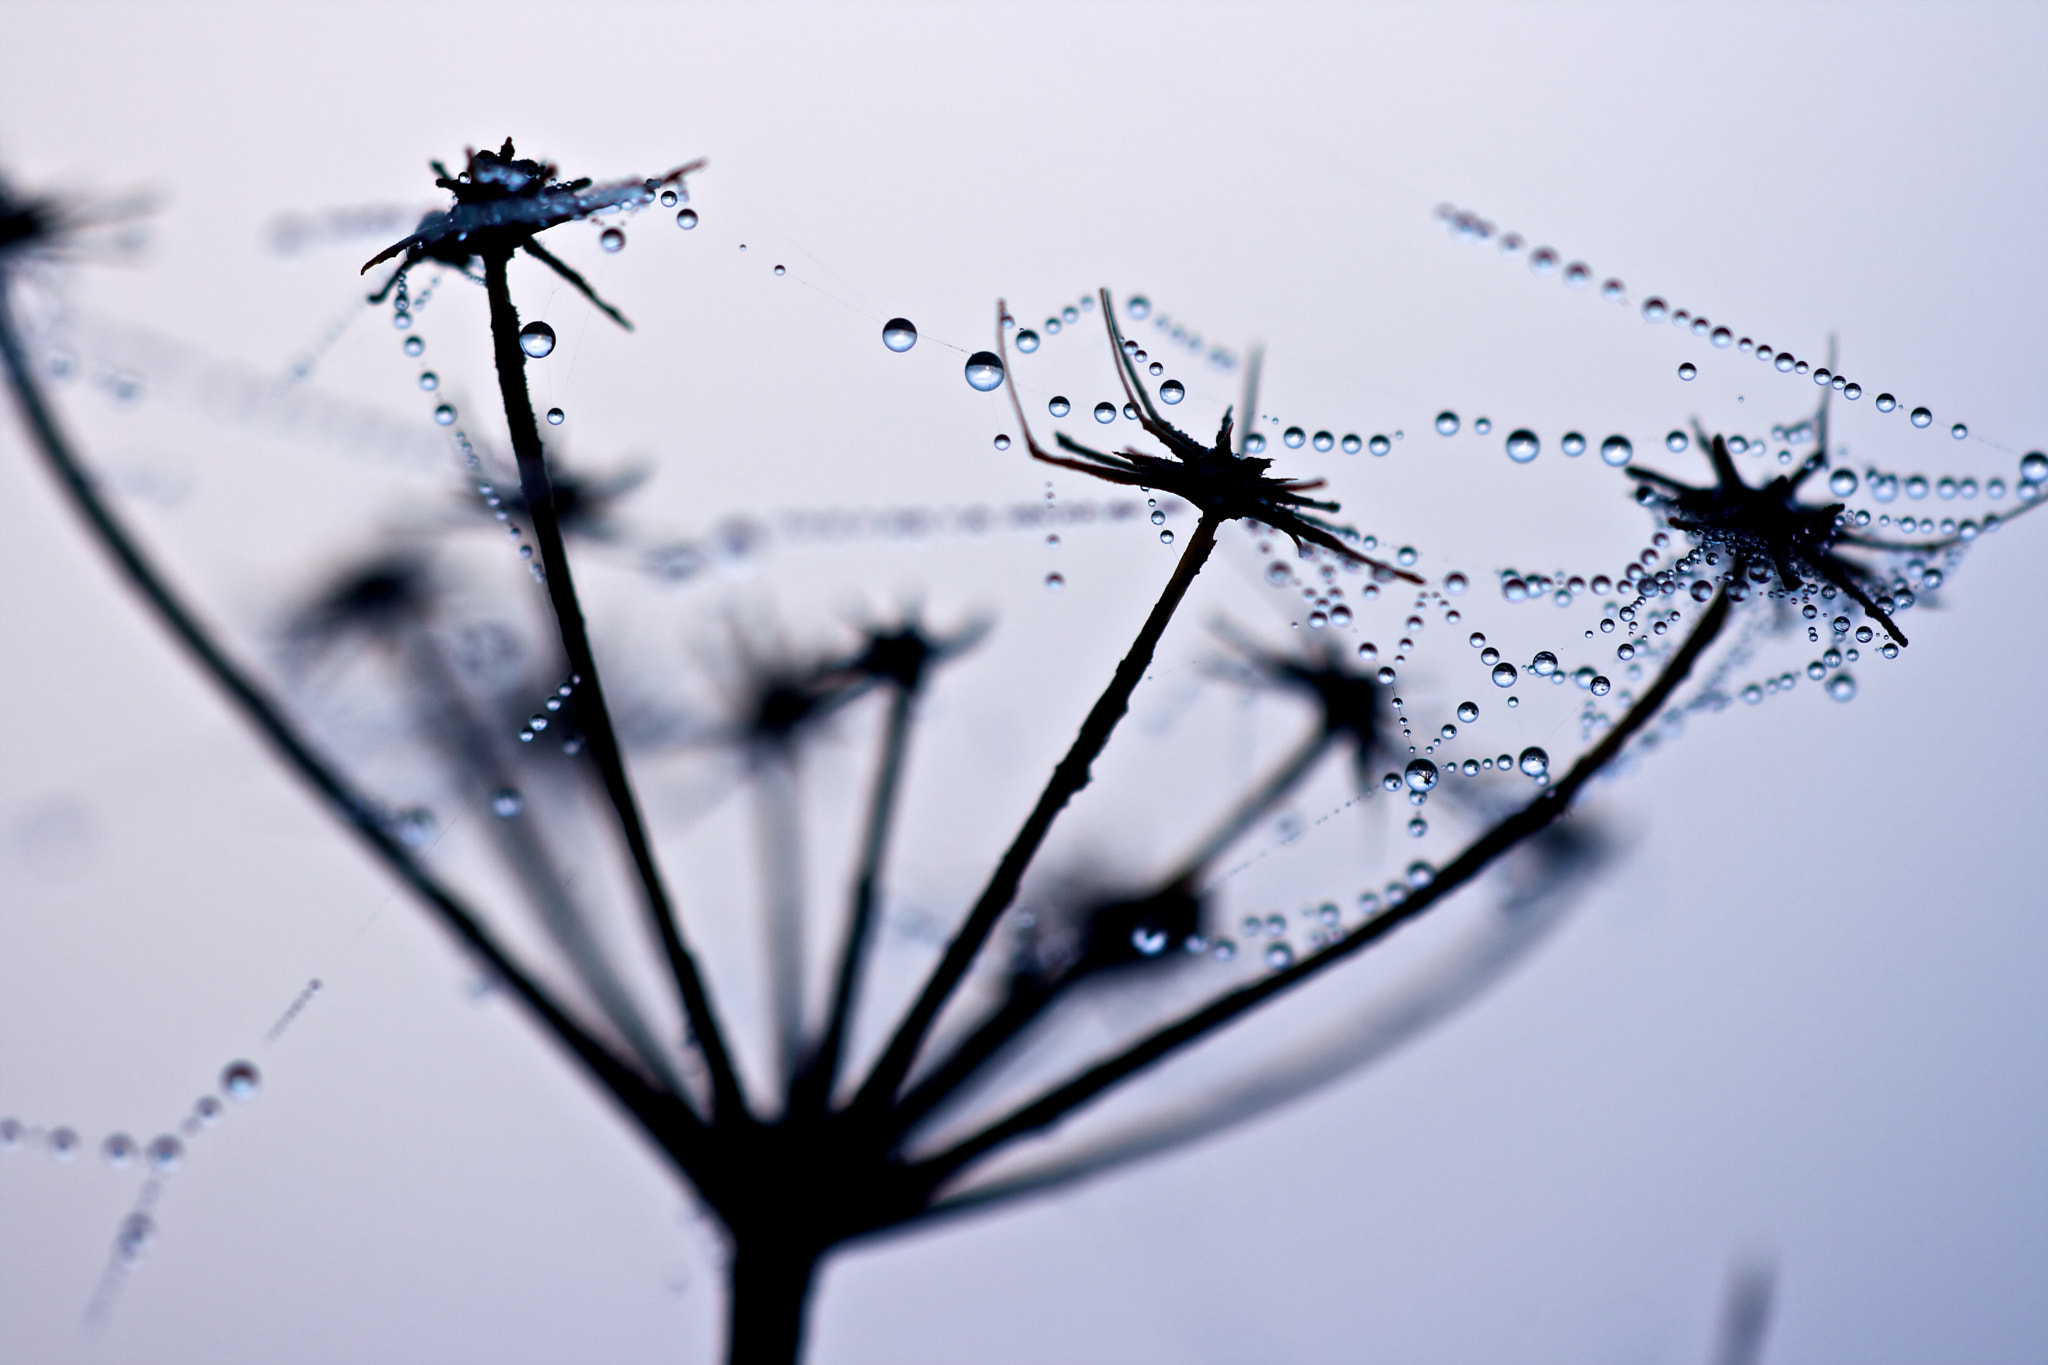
x=1544, y=262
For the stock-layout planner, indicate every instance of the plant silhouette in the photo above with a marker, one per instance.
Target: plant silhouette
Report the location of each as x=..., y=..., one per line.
x=845, y=1148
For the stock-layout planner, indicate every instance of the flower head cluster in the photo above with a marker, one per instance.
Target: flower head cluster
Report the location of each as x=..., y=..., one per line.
x=1225, y=484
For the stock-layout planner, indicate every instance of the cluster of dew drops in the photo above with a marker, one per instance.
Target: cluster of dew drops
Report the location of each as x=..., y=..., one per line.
x=162, y=1155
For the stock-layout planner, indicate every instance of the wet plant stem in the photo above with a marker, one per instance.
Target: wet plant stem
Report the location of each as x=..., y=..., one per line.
x=1067, y=780
x=662, y=1115
x=1538, y=814
x=538, y=490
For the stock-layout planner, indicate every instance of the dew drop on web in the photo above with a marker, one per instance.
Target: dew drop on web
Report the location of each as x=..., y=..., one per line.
x=899, y=334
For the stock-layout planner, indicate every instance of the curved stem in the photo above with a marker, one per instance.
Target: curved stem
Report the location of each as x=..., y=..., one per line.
x=1532, y=818
x=603, y=740
x=1068, y=778
x=663, y=1116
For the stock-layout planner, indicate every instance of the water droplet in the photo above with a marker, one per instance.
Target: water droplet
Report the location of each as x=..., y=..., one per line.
x=138, y=1230
x=1922, y=417
x=166, y=1153
x=984, y=371
x=1172, y=391
x=207, y=1110
x=780, y=271
x=1544, y=664
x=118, y=1151
x=2034, y=467
x=1468, y=711
x=1523, y=445
x=1599, y=687
x=1842, y=482
x=61, y=1143
x=1027, y=341
x=413, y=345
x=899, y=334
x=1149, y=940
x=1105, y=411
x=506, y=802
x=611, y=239
x=1578, y=275
x=1785, y=362
x=1166, y=537
x=1534, y=762
x=1138, y=306
x=1053, y=582
x=1294, y=436
x=686, y=219
x=1279, y=956
x=555, y=416
x=1455, y=583
x=1842, y=687
x=1959, y=431
x=430, y=381
x=1504, y=675
x=1655, y=310
x=1572, y=443
x=1340, y=616
x=1722, y=337
x=1687, y=370
x=1420, y=775
x=1482, y=425
x=240, y=1081
x=537, y=339
x=1002, y=441
x=1675, y=441
x=1447, y=423
x=668, y=199
x=1543, y=260
x=445, y=415
x=1323, y=440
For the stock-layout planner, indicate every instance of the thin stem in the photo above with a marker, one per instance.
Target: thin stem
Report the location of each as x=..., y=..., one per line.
x=1262, y=799
x=663, y=1116
x=1068, y=778
x=779, y=840
x=591, y=710
x=1028, y=998
x=814, y=1087
x=1537, y=815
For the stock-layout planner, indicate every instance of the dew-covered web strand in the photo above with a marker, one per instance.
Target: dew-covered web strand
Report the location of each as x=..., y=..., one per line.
x=1546, y=807
x=602, y=738
x=660, y=1113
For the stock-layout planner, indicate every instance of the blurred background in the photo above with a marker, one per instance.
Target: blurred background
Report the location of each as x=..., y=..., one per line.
x=1793, y=1036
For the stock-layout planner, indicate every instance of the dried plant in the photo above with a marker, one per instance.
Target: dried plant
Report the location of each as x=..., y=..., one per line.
x=841, y=1145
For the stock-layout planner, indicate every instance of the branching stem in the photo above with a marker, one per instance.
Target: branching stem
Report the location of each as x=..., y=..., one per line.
x=1551, y=803
x=1067, y=779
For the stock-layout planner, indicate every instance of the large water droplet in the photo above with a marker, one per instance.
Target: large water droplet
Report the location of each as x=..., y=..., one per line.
x=1676, y=441
x=445, y=415
x=1523, y=445
x=1027, y=341
x=1842, y=687
x=1468, y=711
x=537, y=339
x=1105, y=412
x=1534, y=761
x=166, y=1153
x=686, y=219
x=1420, y=775
x=1922, y=417
x=2034, y=467
x=1294, y=436
x=118, y=1151
x=1504, y=675
x=899, y=334
x=413, y=345
x=240, y=1081
x=1544, y=664
x=1053, y=582
x=1959, y=431
x=1842, y=482
x=1447, y=423
x=556, y=416
x=1687, y=370
x=1059, y=406
x=1655, y=310
x=1172, y=391
x=1149, y=940
x=984, y=371
x=1138, y=306
x=1572, y=443
x=611, y=239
